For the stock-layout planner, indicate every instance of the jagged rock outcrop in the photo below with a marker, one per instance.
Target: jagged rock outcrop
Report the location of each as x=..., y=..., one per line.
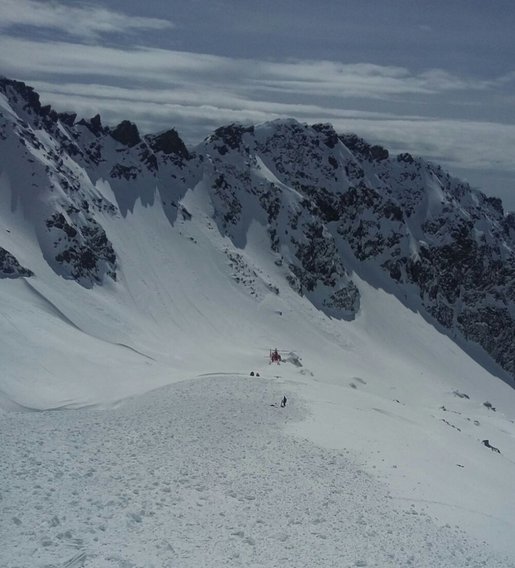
x=10, y=267
x=126, y=133
x=364, y=151
x=94, y=124
x=54, y=193
x=168, y=142
x=81, y=247
x=21, y=94
x=298, y=236
x=408, y=218
x=432, y=231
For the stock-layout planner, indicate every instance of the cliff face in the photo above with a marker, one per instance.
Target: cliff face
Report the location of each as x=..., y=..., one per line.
x=333, y=206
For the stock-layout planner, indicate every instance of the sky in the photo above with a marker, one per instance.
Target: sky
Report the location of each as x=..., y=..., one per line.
x=435, y=78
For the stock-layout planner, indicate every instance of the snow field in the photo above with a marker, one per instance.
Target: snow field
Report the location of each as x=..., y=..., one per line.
x=377, y=467
x=203, y=473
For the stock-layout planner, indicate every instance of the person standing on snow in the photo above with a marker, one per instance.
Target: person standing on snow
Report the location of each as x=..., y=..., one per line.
x=283, y=402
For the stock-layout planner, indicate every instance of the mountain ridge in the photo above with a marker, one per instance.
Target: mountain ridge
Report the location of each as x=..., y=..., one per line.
x=331, y=203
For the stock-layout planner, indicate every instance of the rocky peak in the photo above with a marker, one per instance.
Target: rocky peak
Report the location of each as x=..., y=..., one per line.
x=94, y=125
x=327, y=130
x=364, y=150
x=328, y=202
x=230, y=136
x=67, y=118
x=126, y=133
x=496, y=204
x=509, y=225
x=405, y=157
x=26, y=101
x=15, y=90
x=168, y=142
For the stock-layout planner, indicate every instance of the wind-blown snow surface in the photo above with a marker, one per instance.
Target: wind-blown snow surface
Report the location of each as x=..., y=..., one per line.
x=202, y=473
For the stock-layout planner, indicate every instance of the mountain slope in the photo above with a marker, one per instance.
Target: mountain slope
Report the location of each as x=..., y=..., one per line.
x=207, y=472
x=131, y=262
x=329, y=206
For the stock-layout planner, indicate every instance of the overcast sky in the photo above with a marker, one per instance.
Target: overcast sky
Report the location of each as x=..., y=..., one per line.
x=436, y=78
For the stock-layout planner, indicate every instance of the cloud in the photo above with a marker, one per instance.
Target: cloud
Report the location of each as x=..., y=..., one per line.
x=138, y=63
x=295, y=77
x=188, y=95
x=358, y=80
x=471, y=145
x=84, y=20
x=197, y=92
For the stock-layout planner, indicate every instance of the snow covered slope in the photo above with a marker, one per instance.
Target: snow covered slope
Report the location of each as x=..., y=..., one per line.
x=206, y=473
x=77, y=198
x=129, y=263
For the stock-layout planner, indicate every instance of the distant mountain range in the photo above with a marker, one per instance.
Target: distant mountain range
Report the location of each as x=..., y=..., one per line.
x=334, y=207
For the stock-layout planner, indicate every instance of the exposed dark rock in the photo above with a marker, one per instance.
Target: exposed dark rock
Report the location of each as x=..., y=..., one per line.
x=405, y=157
x=509, y=225
x=67, y=118
x=126, y=172
x=330, y=205
x=330, y=135
x=10, y=267
x=488, y=445
x=149, y=159
x=271, y=203
x=59, y=222
x=378, y=153
x=126, y=133
x=231, y=136
x=96, y=123
x=334, y=163
x=28, y=94
x=319, y=261
x=88, y=255
x=354, y=172
x=362, y=149
x=93, y=124
x=169, y=142
x=496, y=203
x=325, y=207
x=345, y=299
x=231, y=204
